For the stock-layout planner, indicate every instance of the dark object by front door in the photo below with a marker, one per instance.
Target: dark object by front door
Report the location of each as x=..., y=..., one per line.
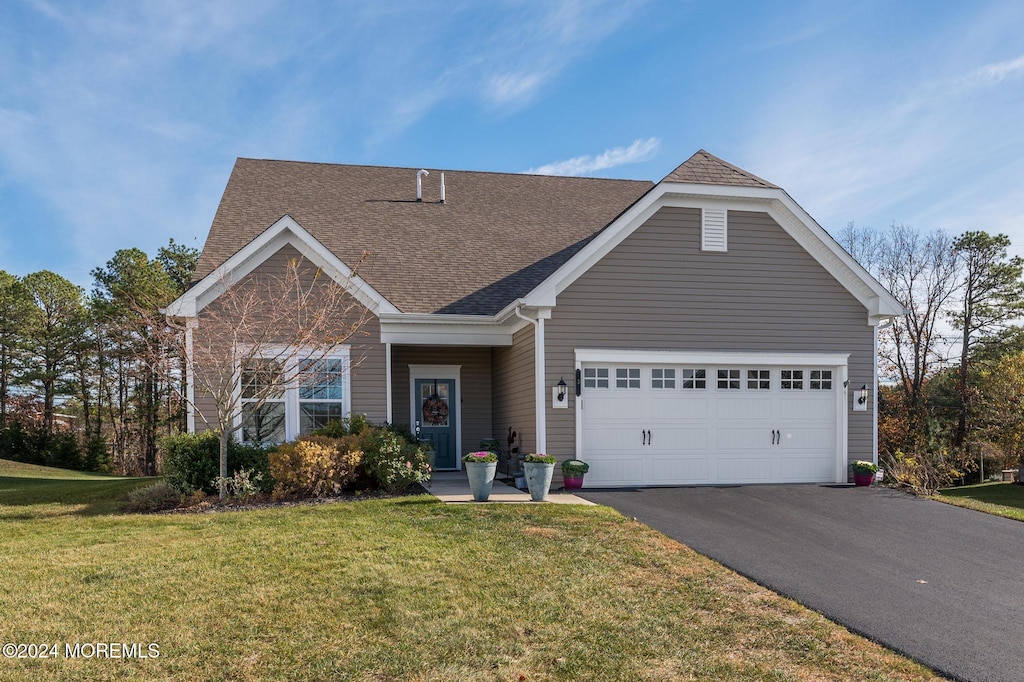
x=436, y=416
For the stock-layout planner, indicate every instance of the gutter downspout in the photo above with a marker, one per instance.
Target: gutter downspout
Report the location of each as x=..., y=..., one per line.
x=538, y=373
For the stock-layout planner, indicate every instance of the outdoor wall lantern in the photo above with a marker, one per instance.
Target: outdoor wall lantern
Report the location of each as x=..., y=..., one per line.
x=558, y=394
x=861, y=405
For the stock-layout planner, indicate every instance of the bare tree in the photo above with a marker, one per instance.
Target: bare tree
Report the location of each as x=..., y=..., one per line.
x=865, y=244
x=260, y=334
x=922, y=272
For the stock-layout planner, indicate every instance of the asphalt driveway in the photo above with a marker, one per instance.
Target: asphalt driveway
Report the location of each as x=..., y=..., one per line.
x=941, y=584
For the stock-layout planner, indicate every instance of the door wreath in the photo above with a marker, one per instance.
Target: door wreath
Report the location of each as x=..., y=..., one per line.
x=435, y=409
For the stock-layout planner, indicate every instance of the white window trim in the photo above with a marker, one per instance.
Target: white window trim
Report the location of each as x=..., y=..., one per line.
x=291, y=390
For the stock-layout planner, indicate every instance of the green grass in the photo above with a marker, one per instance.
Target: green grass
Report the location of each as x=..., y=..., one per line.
x=1001, y=499
x=400, y=589
x=28, y=491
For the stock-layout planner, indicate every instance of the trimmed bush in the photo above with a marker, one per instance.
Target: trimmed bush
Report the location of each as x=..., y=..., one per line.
x=393, y=461
x=192, y=462
x=317, y=465
x=152, y=498
x=354, y=425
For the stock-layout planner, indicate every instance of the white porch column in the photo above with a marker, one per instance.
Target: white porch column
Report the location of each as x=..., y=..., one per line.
x=190, y=381
x=387, y=380
x=539, y=376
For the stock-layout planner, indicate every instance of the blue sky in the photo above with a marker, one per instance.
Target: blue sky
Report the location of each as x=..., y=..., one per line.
x=120, y=121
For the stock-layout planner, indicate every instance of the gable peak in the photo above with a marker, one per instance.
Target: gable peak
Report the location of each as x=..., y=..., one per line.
x=704, y=168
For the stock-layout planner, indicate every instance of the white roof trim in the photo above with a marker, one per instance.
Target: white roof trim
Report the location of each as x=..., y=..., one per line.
x=779, y=205
x=284, y=232
x=775, y=358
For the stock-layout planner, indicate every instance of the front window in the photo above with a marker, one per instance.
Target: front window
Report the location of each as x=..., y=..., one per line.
x=281, y=400
x=263, y=404
x=321, y=393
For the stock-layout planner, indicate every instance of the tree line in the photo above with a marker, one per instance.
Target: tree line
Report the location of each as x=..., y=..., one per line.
x=951, y=402
x=86, y=380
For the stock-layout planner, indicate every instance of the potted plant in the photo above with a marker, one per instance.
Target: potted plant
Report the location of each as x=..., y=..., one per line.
x=864, y=472
x=480, y=468
x=573, y=471
x=539, y=468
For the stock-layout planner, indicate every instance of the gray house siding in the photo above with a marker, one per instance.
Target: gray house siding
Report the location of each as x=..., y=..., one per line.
x=366, y=353
x=474, y=384
x=514, y=404
x=658, y=291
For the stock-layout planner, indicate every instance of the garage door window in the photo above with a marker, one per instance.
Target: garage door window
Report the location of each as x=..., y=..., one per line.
x=694, y=378
x=595, y=377
x=759, y=379
x=821, y=380
x=793, y=379
x=663, y=377
x=729, y=379
x=627, y=377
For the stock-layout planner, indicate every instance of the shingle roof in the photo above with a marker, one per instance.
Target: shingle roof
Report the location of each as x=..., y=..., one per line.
x=496, y=238
x=707, y=169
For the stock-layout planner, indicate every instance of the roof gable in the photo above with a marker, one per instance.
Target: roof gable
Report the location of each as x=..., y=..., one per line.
x=707, y=169
x=497, y=236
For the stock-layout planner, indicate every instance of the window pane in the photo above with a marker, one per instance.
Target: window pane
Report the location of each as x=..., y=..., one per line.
x=262, y=379
x=263, y=424
x=321, y=379
x=627, y=377
x=758, y=379
x=313, y=416
x=729, y=379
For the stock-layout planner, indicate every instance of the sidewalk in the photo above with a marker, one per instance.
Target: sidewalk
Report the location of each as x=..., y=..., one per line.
x=452, y=487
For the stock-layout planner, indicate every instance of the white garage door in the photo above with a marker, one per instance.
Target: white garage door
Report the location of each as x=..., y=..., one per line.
x=669, y=424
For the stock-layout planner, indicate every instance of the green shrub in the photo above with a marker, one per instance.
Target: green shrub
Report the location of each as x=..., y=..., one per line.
x=574, y=468
x=243, y=485
x=192, y=462
x=316, y=465
x=339, y=428
x=481, y=456
x=152, y=498
x=540, y=458
x=393, y=461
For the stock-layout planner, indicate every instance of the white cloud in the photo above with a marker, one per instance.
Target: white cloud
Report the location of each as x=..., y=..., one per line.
x=993, y=74
x=640, y=150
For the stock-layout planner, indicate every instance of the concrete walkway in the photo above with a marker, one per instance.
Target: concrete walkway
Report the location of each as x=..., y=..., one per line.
x=452, y=487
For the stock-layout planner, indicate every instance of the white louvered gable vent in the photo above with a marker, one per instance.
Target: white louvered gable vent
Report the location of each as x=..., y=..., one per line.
x=713, y=229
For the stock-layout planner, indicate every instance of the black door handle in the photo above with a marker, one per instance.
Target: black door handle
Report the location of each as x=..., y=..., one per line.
x=775, y=436
x=643, y=435
x=648, y=436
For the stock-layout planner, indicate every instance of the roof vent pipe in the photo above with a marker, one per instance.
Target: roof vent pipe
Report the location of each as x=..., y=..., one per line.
x=442, y=188
x=419, y=184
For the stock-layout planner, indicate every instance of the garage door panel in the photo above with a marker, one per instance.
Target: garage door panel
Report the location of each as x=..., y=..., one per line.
x=743, y=438
x=744, y=469
x=679, y=439
x=811, y=408
x=676, y=470
x=809, y=438
x=674, y=408
x=735, y=408
x=616, y=408
x=615, y=471
x=806, y=469
x=613, y=439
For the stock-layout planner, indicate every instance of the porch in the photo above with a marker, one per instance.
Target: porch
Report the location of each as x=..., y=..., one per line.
x=452, y=487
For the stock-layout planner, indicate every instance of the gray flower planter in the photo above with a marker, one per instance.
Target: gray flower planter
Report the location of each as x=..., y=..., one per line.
x=481, y=478
x=538, y=479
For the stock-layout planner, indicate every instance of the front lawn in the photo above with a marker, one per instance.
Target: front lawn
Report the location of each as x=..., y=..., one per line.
x=29, y=490
x=401, y=589
x=1001, y=499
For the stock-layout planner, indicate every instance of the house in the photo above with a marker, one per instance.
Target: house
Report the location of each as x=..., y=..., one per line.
x=702, y=329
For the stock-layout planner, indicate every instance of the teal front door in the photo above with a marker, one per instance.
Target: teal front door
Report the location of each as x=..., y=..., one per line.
x=435, y=416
